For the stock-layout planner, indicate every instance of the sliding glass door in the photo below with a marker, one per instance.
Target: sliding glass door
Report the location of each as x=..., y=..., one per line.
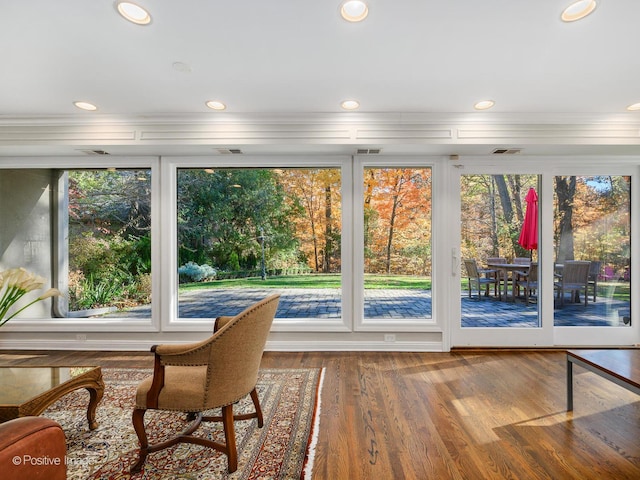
x=498, y=277
x=544, y=255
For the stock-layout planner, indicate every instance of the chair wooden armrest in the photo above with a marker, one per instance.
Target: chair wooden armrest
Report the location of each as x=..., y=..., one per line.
x=158, y=380
x=486, y=270
x=191, y=354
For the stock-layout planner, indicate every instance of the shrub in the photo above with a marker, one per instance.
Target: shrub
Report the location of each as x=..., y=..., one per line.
x=91, y=293
x=192, y=272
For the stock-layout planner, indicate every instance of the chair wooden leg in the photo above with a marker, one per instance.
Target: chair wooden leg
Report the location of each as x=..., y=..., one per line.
x=138, y=425
x=586, y=297
x=230, y=437
x=256, y=404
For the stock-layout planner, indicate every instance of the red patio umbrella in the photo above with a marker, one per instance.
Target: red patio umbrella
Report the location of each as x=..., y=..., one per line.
x=529, y=233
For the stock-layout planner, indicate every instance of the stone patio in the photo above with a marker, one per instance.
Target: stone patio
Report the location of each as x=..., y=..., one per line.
x=400, y=304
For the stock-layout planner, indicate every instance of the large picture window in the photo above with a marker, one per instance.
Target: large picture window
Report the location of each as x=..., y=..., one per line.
x=243, y=233
x=397, y=243
x=87, y=232
x=108, y=216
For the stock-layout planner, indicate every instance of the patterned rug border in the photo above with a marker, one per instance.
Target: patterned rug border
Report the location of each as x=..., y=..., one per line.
x=310, y=455
x=291, y=397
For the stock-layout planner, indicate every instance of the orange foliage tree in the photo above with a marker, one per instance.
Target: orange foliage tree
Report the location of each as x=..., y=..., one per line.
x=318, y=231
x=397, y=220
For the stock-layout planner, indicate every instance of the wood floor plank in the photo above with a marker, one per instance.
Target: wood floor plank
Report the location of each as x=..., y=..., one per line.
x=459, y=415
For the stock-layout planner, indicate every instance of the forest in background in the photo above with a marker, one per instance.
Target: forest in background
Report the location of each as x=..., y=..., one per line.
x=591, y=217
x=240, y=222
x=230, y=219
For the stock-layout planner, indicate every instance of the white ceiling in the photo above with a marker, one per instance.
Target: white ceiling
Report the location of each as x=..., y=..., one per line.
x=298, y=57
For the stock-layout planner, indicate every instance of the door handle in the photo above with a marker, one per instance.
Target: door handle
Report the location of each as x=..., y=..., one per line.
x=454, y=262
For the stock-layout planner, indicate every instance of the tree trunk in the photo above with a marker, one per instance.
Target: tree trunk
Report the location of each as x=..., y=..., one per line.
x=516, y=189
x=495, y=245
x=314, y=238
x=367, y=207
x=565, y=191
x=390, y=237
x=328, y=234
x=507, y=208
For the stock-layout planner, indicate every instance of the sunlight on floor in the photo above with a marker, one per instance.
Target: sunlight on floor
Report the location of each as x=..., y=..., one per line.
x=480, y=432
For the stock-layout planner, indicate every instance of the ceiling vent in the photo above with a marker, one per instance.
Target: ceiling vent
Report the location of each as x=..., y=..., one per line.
x=368, y=151
x=506, y=151
x=227, y=151
x=95, y=152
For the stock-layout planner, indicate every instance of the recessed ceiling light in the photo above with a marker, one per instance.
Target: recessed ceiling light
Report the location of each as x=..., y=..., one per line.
x=350, y=104
x=215, y=105
x=86, y=106
x=354, y=10
x=133, y=12
x=181, y=67
x=484, y=105
x=578, y=10
x=634, y=107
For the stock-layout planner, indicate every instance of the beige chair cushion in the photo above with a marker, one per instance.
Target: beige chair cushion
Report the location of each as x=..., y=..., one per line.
x=183, y=391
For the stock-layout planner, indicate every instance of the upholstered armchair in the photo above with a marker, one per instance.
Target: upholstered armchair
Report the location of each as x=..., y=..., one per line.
x=197, y=377
x=34, y=438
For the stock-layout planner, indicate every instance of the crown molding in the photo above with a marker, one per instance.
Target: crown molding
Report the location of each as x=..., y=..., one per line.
x=162, y=134
x=345, y=118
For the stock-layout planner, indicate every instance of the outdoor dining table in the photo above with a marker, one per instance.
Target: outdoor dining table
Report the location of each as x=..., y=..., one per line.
x=504, y=269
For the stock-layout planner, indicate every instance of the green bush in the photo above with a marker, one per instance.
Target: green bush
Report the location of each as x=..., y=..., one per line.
x=192, y=272
x=95, y=294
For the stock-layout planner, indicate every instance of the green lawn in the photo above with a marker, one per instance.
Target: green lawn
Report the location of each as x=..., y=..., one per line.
x=621, y=290
x=315, y=281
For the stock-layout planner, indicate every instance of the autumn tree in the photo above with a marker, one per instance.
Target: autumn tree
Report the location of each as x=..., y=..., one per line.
x=318, y=229
x=397, y=209
x=565, y=188
x=600, y=220
x=493, y=214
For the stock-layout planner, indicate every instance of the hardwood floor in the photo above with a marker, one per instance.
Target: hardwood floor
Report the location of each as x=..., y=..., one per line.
x=459, y=415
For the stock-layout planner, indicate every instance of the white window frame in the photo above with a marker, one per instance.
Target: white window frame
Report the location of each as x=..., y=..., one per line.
x=363, y=324
x=119, y=324
x=170, y=165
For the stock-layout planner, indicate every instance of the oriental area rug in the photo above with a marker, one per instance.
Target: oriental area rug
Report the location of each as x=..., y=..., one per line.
x=282, y=449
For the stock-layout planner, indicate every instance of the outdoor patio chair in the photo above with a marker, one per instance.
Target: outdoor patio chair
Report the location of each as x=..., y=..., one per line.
x=519, y=276
x=574, y=278
x=201, y=376
x=496, y=260
x=522, y=260
x=528, y=281
x=495, y=275
x=594, y=273
x=475, y=277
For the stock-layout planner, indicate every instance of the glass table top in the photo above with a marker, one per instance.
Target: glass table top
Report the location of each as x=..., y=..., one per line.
x=19, y=384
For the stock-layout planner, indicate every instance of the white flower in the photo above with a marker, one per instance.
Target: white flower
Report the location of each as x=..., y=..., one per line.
x=14, y=284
